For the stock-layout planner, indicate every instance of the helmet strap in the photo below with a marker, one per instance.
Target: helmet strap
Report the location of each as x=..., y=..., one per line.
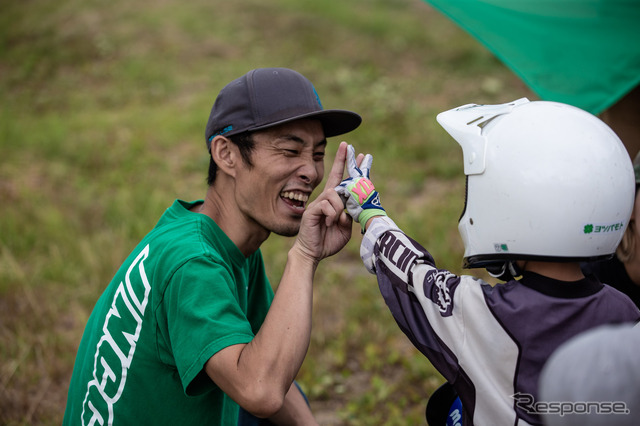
x=506, y=271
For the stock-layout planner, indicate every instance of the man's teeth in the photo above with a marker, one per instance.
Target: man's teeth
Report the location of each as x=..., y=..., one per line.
x=296, y=196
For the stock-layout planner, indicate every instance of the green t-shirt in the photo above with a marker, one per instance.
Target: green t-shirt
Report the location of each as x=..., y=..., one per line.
x=182, y=295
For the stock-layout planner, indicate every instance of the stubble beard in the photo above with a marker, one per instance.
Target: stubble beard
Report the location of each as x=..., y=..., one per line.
x=287, y=230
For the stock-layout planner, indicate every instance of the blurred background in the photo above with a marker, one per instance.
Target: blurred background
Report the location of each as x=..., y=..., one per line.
x=104, y=107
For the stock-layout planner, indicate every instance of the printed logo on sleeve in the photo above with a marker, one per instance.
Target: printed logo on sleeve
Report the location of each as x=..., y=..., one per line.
x=439, y=286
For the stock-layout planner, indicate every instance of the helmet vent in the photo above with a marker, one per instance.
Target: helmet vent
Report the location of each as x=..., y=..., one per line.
x=482, y=124
x=466, y=192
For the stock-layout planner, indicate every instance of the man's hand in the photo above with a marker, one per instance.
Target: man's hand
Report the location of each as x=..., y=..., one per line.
x=360, y=197
x=325, y=228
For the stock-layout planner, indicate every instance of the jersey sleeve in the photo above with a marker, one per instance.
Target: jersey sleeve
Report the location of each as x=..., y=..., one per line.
x=426, y=302
x=203, y=316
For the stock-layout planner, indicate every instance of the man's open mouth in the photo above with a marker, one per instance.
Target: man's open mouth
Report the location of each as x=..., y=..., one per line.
x=296, y=199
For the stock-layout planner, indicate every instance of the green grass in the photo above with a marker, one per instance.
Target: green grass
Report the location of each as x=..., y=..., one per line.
x=101, y=127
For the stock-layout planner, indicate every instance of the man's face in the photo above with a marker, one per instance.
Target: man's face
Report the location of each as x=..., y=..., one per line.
x=288, y=164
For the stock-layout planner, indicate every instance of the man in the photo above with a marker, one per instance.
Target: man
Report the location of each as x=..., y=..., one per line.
x=548, y=186
x=189, y=328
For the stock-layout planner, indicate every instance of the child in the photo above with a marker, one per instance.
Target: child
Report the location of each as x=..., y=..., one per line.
x=548, y=186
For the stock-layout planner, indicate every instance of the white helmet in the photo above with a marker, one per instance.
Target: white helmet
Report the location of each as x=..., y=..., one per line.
x=545, y=181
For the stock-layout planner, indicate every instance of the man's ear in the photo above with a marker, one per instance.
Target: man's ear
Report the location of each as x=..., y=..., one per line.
x=225, y=154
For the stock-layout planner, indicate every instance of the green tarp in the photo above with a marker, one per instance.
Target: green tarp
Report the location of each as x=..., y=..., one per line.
x=581, y=52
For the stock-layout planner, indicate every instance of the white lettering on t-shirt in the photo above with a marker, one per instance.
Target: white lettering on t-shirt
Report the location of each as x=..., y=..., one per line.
x=116, y=347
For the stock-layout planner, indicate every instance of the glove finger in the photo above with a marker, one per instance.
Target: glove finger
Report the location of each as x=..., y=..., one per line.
x=365, y=166
x=352, y=166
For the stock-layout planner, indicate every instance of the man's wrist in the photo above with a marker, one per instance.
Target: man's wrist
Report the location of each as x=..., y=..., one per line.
x=298, y=255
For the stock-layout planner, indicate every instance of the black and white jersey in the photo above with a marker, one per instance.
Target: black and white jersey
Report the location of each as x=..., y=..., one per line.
x=489, y=342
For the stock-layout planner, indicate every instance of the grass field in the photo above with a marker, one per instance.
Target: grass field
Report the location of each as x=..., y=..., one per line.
x=104, y=106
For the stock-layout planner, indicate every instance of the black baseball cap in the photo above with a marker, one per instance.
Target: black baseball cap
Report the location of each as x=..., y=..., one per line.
x=267, y=97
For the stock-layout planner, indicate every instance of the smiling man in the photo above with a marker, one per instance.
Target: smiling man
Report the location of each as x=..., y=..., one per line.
x=189, y=329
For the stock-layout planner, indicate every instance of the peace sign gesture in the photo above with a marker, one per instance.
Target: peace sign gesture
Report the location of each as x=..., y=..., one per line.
x=361, y=199
x=325, y=228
